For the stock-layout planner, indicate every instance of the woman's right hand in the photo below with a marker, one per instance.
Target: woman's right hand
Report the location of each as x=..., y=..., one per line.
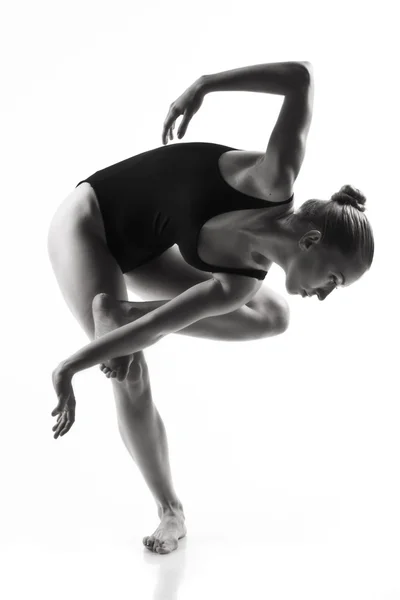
x=187, y=105
x=62, y=383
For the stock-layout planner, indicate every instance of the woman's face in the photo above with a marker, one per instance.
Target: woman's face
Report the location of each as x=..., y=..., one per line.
x=317, y=269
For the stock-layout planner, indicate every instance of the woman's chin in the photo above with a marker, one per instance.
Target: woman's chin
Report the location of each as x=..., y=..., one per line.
x=294, y=291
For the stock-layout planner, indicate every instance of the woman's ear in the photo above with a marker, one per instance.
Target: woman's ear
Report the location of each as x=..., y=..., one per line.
x=309, y=239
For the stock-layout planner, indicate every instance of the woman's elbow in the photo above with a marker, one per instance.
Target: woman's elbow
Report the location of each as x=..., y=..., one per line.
x=308, y=70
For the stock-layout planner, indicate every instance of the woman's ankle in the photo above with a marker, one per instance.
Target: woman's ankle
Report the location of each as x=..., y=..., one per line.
x=170, y=508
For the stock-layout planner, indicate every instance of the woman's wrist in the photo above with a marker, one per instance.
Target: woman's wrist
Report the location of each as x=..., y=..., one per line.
x=122, y=341
x=204, y=84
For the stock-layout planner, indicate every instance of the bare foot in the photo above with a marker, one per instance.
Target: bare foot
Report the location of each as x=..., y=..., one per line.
x=171, y=529
x=109, y=315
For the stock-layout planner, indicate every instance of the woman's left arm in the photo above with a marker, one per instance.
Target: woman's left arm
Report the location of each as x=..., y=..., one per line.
x=287, y=143
x=282, y=78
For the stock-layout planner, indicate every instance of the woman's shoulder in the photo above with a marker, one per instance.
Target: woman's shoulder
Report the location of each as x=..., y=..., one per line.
x=245, y=170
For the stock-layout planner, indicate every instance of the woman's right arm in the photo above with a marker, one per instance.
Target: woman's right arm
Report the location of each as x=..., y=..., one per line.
x=213, y=297
x=219, y=295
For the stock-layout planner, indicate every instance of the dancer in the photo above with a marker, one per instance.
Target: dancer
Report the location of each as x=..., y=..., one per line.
x=193, y=228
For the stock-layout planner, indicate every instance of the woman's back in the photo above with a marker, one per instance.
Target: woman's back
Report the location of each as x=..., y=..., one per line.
x=163, y=197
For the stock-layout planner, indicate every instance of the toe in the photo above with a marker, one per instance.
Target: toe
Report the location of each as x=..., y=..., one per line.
x=147, y=541
x=160, y=547
x=167, y=546
x=163, y=550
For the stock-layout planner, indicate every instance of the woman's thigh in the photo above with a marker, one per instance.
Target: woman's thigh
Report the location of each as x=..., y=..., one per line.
x=81, y=261
x=164, y=277
x=169, y=275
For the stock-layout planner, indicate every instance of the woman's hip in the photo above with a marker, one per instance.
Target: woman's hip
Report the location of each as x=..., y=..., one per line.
x=79, y=209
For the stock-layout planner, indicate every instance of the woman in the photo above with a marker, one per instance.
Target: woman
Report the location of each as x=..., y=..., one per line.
x=195, y=227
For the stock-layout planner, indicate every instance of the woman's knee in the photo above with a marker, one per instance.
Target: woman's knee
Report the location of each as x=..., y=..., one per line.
x=273, y=310
x=282, y=321
x=138, y=372
x=277, y=316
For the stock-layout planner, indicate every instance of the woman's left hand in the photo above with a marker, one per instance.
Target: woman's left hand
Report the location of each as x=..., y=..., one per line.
x=187, y=105
x=62, y=382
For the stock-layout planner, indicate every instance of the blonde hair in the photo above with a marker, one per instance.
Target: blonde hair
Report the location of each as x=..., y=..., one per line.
x=342, y=222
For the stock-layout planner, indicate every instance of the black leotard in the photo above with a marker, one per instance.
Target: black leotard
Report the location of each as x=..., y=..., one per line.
x=162, y=197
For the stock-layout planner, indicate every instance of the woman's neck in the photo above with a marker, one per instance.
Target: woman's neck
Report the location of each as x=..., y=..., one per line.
x=274, y=238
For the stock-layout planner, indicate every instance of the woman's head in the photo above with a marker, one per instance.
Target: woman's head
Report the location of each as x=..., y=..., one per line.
x=335, y=243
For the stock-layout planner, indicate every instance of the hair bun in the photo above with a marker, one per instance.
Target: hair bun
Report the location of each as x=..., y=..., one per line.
x=350, y=195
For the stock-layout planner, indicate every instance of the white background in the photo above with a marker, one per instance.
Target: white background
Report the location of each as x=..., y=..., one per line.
x=285, y=451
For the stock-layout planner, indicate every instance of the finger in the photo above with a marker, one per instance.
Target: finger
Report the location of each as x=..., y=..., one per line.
x=59, y=428
x=167, y=124
x=66, y=427
x=171, y=117
x=57, y=410
x=58, y=422
x=66, y=423
x=184, y=124
x=165, y=136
